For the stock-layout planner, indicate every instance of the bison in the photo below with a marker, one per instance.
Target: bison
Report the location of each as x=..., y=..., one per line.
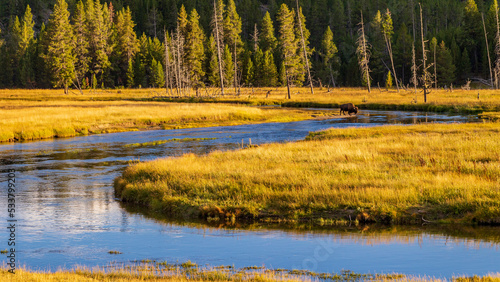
x=349, y=108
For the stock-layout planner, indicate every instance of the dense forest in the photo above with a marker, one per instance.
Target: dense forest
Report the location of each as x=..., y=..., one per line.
x=197, y=43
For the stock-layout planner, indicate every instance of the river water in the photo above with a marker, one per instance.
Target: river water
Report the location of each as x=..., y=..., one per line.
x=68, y=215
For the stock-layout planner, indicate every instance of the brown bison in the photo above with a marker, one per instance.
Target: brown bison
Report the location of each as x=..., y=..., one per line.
x=349, y=108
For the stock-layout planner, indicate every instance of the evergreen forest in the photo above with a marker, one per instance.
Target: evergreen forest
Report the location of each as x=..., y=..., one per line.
x=83, y=44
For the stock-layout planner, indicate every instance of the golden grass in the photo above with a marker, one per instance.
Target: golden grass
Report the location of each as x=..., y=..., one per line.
x=30, y=120
x=389, y=174
x=192, y=272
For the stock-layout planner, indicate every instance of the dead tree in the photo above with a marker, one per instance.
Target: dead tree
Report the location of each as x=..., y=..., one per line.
x=304, y=48
x=168, y=81
x=363, y=54
x=496, y=71
x=426, y=76
x=414, y=69
x=487, y=50
x=387, y=30
x=217, y=22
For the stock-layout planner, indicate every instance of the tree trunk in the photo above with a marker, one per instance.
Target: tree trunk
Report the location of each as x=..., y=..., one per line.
x=487, y=50
x=424, y=58
x=219, y=56
x=304, y=48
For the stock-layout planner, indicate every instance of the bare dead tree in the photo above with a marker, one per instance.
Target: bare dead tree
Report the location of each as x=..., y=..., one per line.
x=487, y=50
x=414, y=69
x=497, y=52
x=426, y=78
x=255, y=38
x=363, y=54
x=168, y=81
x=435, y=68
x=304, y=48
x=218, y=31
x=387, y=30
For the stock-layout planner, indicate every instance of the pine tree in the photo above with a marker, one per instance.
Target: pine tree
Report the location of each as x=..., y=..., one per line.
x=130, y=74
x=195, y=50
x=213, y=63
x=232, y=30
x=248, y=75
x=99, y=35
x=59, y=57
x=127, y=43
x=81, y=50
x=288, y=44
x=329, y=56
x=303, y=36
x=228, y=66
x=445, y=66
x=269, y=69
x=388, y=81
x=267, y=38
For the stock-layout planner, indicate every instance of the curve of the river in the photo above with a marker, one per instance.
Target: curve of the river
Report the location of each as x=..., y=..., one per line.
x=67, y=214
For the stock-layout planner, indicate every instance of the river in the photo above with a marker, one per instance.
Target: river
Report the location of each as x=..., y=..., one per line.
x=67, y=214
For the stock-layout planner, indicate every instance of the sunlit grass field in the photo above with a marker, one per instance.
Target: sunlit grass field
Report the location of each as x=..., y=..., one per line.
x=390, y=174
x=30, y=120
x=39, y=114
x=189, y=271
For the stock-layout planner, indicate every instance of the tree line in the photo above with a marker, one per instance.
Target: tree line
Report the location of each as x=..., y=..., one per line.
x=189, y=44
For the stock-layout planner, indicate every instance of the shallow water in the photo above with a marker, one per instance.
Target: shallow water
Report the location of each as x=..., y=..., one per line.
x=68, y=215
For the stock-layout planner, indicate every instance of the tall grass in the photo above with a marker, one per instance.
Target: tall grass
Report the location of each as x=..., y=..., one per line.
x=188, y=271
x=389, y=174
x=28, y=120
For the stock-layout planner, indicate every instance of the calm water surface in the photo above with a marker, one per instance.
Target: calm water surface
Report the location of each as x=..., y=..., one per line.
x=68, y=214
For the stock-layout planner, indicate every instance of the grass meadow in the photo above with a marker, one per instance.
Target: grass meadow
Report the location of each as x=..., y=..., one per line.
x=188, y=271
x=29, y=119
x=39, y=114
x=439, y=173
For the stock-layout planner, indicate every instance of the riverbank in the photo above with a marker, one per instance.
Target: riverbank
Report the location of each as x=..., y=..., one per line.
x=457, y=101
x=436, y=173
x=29, y=120
x=148, y=270
x=40, y=114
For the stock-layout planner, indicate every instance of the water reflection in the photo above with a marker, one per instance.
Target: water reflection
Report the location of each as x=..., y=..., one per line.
x=68, y=215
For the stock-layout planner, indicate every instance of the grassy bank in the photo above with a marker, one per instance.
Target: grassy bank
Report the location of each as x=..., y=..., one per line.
x=188, y=271
x=30, y=120
x=391, y=174
x=438, y=101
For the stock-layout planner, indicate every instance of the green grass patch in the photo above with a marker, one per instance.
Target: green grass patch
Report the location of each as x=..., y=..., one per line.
x=440, y=173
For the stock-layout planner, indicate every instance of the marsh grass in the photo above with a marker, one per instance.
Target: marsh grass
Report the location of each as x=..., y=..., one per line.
x=188, y=271
x=38, y=120
x=390, y=174
x=159, y=142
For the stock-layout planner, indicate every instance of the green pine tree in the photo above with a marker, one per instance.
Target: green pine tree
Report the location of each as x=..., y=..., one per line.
x=329, y=56
x=127, y=44
x=130, y=74
x=232, y=31
x=388, y=81
x=228, y=66
x=269, y=68
x=267, y=39
x=289, y=46
x=81, y=50
x=213, y=63
x=60, y=58
x=445, y=66
x=195, y=50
